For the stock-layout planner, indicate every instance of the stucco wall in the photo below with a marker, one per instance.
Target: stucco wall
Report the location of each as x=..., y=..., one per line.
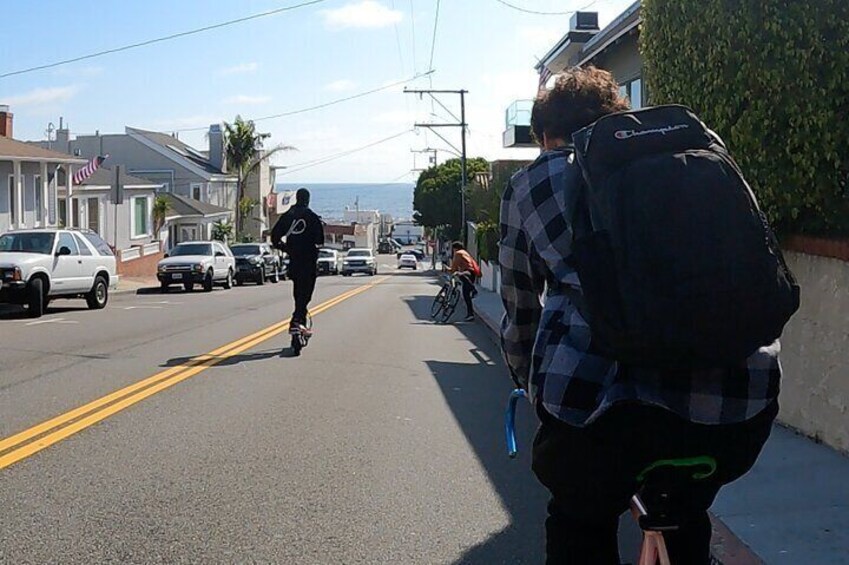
x=815, y=352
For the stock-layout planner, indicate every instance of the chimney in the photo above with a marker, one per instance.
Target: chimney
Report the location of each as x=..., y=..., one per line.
x=216, y=148
x=63, y=136
x=5, y=121
x=584, y=21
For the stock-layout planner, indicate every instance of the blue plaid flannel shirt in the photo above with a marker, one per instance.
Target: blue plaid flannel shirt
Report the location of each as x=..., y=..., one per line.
x=548, y=345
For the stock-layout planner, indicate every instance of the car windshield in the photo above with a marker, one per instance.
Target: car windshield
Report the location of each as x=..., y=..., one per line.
x=27, y=243
x=243, y=250
x=359, y=253
x=325, y=254
x=191, y=249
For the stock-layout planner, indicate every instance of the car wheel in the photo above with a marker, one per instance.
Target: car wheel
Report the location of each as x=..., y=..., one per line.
x=98, y=296
x=228, y=282
x=207, y=281
x=239, y=281
x=188, y=287
x=260, y=278
x=35, y=298
x=163, y=288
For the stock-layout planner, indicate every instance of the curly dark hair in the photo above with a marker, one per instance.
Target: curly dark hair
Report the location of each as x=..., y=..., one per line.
x=579, y=97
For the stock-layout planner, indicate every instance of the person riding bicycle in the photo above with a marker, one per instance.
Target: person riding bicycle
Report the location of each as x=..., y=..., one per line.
x=303, y=233
x=465, y=267
x=602, y=421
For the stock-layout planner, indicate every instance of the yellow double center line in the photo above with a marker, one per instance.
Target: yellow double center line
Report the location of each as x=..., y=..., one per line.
x=32, y=440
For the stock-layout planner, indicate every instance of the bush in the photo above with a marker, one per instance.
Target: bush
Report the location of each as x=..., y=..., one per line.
x=772, y=78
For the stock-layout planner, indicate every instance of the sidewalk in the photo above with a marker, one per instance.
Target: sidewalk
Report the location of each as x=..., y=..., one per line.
x=136, y=285
x=791, y=509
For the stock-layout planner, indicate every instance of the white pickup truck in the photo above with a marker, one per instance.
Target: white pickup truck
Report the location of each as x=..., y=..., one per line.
x=37, y=266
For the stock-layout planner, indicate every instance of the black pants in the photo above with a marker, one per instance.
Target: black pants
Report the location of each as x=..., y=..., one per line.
x=303, y=282
x=468, y=292
x=591, y=473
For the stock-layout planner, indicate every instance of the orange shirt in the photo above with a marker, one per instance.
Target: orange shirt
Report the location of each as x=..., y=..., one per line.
x=462, y=261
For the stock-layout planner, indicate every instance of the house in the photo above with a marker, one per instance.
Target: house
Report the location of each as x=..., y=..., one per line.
x=344, y=236
x=176, y=167
x=120, y=210
x=187, y=219
x=407, y=233
x=614, y=48
x=29, y=190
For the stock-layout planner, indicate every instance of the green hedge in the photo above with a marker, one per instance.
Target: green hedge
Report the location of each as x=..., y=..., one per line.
x=772, y=78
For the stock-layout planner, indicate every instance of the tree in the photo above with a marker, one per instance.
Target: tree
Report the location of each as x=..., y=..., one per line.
x=772, y=78
x=436, y=198
x=160, y=210
x=244, y=151
x=222, y=230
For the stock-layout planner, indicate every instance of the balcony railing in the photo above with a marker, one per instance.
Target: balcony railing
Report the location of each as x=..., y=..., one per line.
x=518, y=113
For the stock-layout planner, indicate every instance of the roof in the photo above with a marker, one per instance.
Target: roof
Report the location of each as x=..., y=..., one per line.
x=624, y=22
x=184, y=206
x=13, y=149
x=180, y=149
x=104, y=177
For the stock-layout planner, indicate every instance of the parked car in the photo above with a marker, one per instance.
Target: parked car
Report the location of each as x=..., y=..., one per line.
x=197, y=262
x=37, y=266
x=385, y=247
x=359, y=261
x=328, y=262
x=257, y=262
x=408, y=261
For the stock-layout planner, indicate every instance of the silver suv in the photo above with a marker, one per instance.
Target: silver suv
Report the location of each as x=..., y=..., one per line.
x=37, y=266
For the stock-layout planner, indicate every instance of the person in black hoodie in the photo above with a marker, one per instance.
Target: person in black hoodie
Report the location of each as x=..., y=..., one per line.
x=300, y=232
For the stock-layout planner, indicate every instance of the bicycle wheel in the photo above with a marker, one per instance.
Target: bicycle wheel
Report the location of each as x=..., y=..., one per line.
x=450, y=304
x=438, y=303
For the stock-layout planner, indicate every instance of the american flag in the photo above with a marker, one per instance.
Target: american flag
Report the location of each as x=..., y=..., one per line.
x=544, y=75
x=88, y=170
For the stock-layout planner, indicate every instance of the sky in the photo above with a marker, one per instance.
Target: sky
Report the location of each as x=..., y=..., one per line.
x=286, y=62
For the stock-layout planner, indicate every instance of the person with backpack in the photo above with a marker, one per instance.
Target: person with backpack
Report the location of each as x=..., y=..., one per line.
x=464, y=265
x=300, y=233
x=644, y=296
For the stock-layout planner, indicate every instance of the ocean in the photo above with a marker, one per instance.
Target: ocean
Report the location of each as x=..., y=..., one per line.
x=330, y=199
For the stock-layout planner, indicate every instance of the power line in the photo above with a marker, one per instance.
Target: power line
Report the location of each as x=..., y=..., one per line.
x=433, y=40
x=539, y=13
x=413, y=27
x=159, y=39
x=322, y=160
x=323, y=105
x=398, y=43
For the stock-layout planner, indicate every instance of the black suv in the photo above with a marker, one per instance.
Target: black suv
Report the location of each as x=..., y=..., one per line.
x=257, y=262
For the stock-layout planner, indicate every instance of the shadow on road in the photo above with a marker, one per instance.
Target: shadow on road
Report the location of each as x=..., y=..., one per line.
x=476, y=394
x=223, y=361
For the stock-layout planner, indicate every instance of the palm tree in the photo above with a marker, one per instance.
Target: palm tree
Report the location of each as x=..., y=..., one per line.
x=160, y=210
x=243, y=147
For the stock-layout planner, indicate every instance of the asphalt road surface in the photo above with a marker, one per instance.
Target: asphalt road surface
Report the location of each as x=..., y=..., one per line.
x=177, y=429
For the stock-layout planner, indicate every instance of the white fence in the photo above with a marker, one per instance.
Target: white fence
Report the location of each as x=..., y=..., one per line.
x=139, y=251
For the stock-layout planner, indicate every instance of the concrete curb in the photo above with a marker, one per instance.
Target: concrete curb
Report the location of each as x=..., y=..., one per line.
x=726, y=548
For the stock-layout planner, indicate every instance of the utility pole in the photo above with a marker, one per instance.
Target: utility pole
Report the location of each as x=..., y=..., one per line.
x=461, y=123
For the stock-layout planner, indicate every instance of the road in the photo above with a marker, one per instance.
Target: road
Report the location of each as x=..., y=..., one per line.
x=382, y=443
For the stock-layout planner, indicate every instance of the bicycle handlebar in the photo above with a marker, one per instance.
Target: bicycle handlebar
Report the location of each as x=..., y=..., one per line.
x=510, y=421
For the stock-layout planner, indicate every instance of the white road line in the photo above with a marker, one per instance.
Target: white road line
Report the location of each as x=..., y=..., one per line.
x=51, y=321
x=143, y=308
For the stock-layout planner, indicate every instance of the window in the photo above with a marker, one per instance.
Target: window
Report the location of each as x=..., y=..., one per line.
x=98, y=243
x=39, y=199
x=84, y=250
x=633, y=89
x=65, y=240
x=140, y=220
x=197, y=191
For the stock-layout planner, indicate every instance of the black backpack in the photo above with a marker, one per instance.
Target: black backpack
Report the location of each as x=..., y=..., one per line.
x=678, y=265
